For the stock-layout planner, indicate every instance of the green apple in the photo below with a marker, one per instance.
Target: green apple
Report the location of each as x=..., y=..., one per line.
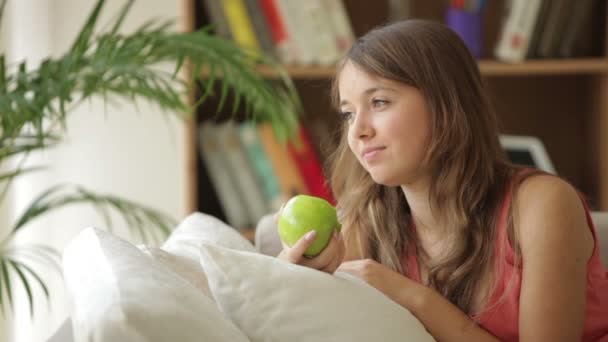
x=302, y=214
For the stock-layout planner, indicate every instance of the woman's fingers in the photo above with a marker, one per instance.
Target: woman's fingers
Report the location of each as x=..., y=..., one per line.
x=330, y=258
x=295, y=254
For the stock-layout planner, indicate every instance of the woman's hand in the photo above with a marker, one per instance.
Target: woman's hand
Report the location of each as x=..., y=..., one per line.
x=397, y=287
x=327, y=261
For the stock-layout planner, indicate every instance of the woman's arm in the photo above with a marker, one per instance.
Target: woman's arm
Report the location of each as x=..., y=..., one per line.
x=556, y=244
x=441, y=318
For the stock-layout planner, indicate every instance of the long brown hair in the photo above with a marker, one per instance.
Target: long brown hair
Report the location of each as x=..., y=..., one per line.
x=469, y=170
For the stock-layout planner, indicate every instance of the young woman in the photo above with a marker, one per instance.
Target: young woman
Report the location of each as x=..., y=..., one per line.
x=433, y=214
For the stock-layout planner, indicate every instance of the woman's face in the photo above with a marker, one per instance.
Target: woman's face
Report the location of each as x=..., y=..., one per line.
x=388, y=125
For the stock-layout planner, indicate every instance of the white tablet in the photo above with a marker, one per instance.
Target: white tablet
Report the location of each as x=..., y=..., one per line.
x=527, y=150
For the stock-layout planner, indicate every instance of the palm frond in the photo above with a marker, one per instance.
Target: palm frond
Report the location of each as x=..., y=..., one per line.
x=141, y=221
x=35, y=103
x=18, y=267
x=12, y=174
x=6, y=281
x=115, y=65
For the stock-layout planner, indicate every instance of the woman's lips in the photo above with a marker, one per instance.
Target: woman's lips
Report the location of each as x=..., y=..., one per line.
x=371, y=153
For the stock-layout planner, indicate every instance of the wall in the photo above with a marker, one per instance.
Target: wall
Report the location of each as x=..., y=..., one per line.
x=133, y=152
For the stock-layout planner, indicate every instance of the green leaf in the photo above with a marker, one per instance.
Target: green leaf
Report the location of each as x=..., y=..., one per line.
x=10, y=175
x=25, y=284
x=12, y=257
x=139, y=218
x=7, y=282
x=35, y=103
x=82, y=41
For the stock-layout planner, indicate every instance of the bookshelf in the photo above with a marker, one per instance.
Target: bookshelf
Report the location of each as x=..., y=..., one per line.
x=564, y=102
x=575, y=66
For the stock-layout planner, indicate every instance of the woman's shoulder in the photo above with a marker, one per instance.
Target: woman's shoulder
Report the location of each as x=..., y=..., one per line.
x=546, y=205
x=545, y=190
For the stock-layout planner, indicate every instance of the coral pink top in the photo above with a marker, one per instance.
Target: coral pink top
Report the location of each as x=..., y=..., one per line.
x=502, y=319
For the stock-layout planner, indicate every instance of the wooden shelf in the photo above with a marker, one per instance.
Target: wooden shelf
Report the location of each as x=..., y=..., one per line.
x=560, y=101
x=545, y=67
x=488, y=68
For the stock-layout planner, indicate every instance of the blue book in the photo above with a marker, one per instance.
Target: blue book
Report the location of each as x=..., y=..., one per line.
x=261, y=165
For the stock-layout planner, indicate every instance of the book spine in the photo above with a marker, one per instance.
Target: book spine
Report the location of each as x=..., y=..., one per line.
x=310, y=166
x=554, y=28
x=242, y=172
x=260, y=28
x=217, y=18
x=319, y=32
x=340, y=22
x=284, y=167
x=240, y=24
x=261, y=165
x=296, y=26
x=228, y=194
x=577, y=23
x=517, y=31
x=283, y=43
x=539, y=26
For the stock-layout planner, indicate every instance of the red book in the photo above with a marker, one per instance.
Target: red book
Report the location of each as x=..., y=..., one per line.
x=310, y=167
x=274, y=21
x=278, y=30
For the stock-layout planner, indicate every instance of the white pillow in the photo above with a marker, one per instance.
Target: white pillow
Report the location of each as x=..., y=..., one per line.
x=185, y=268
x=186, y=239
x=120, y=294
x=272, y=300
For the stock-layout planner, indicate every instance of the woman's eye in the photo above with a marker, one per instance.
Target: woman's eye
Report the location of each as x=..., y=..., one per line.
x=379, y=103
x=345, y=115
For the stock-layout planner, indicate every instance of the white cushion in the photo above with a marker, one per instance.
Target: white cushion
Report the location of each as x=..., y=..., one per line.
x=186, y=268
x=267, y=240
x=600, y=220
x=272, y=300
x=120, y=294
x=186, y=239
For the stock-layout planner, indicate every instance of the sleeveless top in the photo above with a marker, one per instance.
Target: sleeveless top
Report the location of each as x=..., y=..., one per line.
x=501, y=317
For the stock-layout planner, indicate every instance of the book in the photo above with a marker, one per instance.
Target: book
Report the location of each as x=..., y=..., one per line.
x=260, y=28
x=240, y=24
x=289, y=178
x=555, y=27
x=261, y=165
x=517, y=31
x=539, y=27
x=217, y=19
x=340, y=22
x=228, y=194
x=283, y=42
x=318, y=32
x=399, y=10
x=241, y=172
x=576, y=40
x=296, y=25
x=309, y=165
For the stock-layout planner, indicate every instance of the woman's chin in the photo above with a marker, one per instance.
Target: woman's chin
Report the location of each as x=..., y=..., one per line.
x=383, y=179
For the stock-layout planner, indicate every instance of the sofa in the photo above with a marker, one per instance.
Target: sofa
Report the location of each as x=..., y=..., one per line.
x=207, y=282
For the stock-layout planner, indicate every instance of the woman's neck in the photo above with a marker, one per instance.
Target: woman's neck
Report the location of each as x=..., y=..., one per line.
x=429, y=231
x=417, y=196
x=427, y=225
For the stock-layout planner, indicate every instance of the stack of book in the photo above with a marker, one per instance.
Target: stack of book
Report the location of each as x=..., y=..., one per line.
x=310, y=32
x=253, y=173
x=547, y=29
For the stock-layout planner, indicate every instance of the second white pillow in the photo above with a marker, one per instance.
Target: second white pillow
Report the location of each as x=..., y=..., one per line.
x=272, y=300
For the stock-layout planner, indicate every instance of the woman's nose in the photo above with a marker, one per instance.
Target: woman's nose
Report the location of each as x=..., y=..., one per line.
x=362, y=127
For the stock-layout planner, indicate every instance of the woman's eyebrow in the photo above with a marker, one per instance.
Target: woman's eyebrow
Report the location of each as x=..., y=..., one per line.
x=370, y=91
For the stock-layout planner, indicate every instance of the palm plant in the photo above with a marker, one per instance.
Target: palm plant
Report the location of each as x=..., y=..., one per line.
x=34, y=105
